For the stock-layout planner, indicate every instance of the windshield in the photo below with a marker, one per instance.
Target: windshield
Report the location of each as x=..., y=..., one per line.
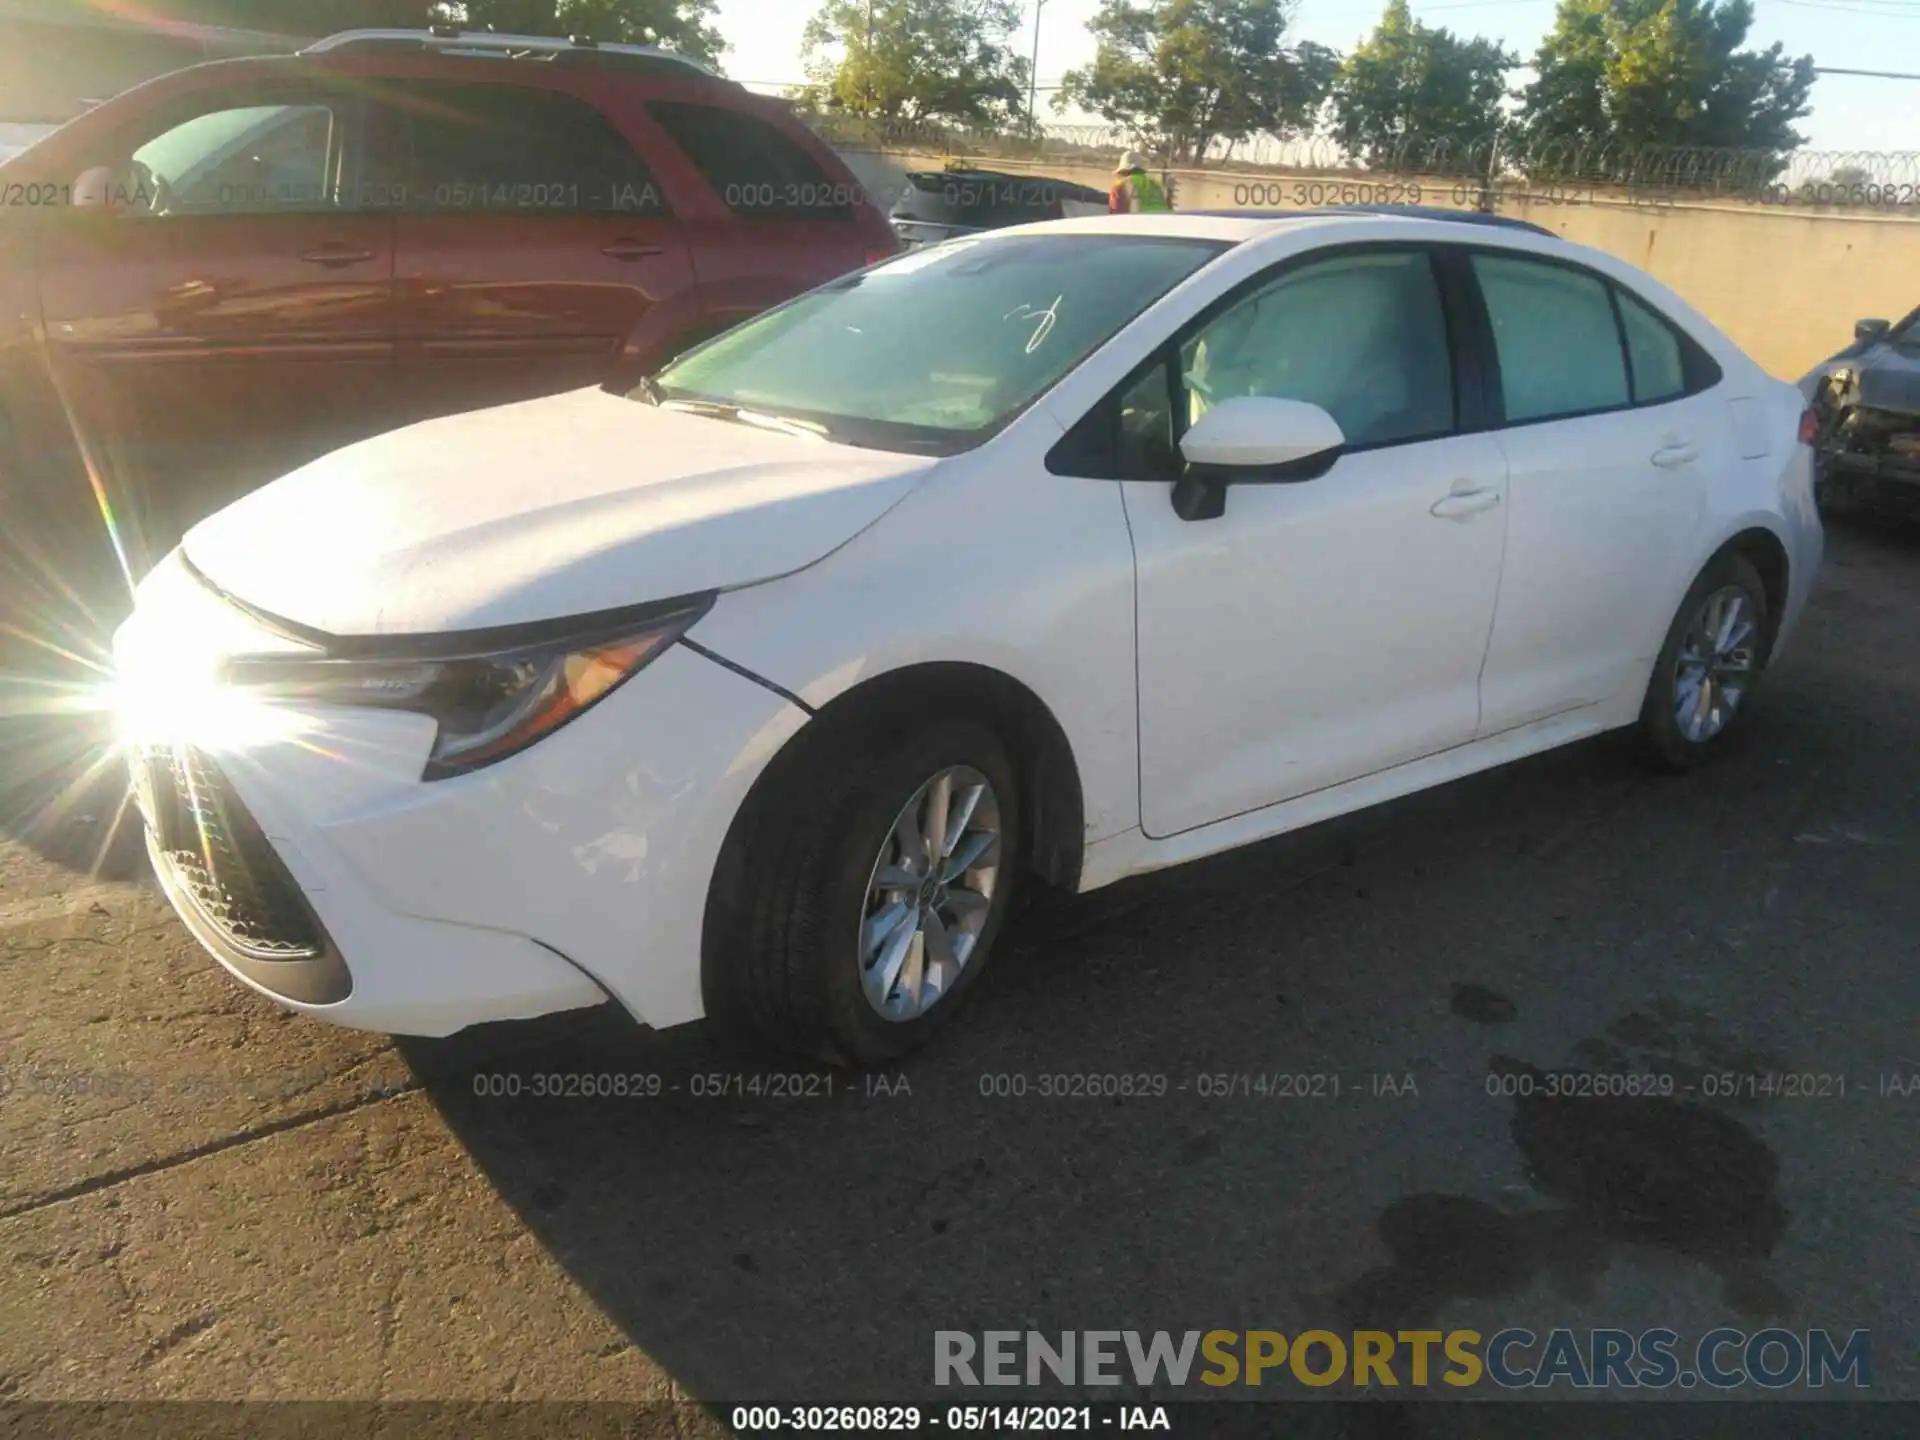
x=937, y=350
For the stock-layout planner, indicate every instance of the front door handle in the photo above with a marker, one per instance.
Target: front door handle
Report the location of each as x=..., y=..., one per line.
x=631, y=250
x=1464, y=504
x=334, y=256
x=1678, y=453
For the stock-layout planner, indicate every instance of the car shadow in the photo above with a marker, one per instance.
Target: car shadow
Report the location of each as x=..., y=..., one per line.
x=770, y=1232
x=76, y=542
x=67, y=564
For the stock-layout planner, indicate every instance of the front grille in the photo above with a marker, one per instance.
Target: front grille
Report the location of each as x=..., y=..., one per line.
x=223, y=861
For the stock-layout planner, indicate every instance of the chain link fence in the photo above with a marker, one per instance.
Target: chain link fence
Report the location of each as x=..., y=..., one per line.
x=1875, y=178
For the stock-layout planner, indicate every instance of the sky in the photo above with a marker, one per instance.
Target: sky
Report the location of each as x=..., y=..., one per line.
x=1849, y=112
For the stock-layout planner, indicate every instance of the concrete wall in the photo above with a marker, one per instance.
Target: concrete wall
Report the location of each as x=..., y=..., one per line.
x=1785, y=281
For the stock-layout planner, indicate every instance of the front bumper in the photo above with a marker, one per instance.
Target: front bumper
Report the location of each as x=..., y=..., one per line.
x=570, y=873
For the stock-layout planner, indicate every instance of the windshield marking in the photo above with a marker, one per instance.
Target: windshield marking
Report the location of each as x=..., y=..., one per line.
x=1046, y=317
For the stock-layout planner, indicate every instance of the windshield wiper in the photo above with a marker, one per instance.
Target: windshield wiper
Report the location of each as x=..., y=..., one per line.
x=743, y=415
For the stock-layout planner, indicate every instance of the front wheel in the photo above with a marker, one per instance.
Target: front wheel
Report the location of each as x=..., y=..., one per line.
x=862, y=898
x=1715, y=652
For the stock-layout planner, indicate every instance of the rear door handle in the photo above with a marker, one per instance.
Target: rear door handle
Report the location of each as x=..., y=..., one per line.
x=1678, y=453
x=631, y=250
x=333, y=256
x=1464, y=504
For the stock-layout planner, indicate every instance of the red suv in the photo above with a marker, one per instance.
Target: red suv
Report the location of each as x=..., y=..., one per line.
x=246, y=263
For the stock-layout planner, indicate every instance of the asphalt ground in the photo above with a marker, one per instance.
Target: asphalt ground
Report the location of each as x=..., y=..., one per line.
x=202, y=1198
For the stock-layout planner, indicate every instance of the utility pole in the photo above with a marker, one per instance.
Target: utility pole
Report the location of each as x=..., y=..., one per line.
x=869, y=58
x=1033, y=70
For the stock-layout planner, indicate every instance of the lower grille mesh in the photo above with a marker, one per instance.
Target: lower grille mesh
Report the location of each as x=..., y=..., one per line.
x=224, y=862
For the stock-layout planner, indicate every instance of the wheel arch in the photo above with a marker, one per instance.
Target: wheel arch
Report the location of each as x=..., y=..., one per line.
x=1053, y=806
x=1768, y=554
x=1053, y=802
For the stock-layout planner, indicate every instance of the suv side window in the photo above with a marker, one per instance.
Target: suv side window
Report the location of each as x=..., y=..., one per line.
x=1362, y=335
x=1554, y=333
x=246, y=156
x=758, y=172
x=449, y=147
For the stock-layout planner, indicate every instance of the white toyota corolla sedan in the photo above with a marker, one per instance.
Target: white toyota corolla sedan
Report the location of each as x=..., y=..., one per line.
x=1065, y=553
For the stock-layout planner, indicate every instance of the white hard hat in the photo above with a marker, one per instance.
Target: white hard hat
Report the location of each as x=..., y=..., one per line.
x=1132, y=160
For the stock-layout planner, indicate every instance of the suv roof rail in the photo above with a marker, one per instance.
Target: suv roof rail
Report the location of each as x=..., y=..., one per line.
x=446, y=40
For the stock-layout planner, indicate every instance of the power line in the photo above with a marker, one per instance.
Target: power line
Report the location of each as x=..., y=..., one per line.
x=1853, y=9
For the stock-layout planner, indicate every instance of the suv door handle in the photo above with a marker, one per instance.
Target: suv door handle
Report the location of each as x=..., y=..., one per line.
x=631, y=250
x=1678, y=453
x=1464, y=504
x=333, y=256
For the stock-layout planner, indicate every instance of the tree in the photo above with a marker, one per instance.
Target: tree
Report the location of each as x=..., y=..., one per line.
x=1408, y=85
x=918, y=59
x=1183, y=74
x=681, y=24
x=310, y=18
x=1617, y=76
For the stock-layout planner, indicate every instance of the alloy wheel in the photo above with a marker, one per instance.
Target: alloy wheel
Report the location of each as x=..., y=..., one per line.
x=1716, y=664
x=929, y=894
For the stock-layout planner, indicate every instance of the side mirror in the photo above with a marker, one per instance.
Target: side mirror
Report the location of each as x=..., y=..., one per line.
x=1253, y=440
x=1868, y=331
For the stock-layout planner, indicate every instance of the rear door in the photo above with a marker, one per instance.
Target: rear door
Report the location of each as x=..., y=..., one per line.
x=535, y=246
x=790, y=223
x=222, y=309
x=1610, y=443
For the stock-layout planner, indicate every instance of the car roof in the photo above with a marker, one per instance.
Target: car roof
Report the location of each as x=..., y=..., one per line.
x=1241, y=227
x=1418, y=212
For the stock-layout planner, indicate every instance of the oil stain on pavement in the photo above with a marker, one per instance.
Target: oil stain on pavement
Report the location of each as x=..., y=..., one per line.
x=1642, y=1170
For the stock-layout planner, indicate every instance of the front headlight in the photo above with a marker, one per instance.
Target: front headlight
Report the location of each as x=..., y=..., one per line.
x=490, y=698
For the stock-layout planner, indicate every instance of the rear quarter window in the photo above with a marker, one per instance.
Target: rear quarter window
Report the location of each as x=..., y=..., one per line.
x=758, y=171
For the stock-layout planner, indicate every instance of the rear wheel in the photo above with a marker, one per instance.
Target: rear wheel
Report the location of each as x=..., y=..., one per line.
x=1715, y=652
x=861, y=899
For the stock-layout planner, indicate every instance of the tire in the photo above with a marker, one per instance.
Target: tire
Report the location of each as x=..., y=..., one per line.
x=1723, y=703
x=787, y=923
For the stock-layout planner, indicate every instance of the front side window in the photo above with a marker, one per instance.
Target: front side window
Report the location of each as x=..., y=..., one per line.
x=1363, y=336
x=448, y=148
x=1555, y=336
x=241, y=159
x=938, y=349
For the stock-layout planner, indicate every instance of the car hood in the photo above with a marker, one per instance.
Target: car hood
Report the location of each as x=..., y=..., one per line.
x=540, y=510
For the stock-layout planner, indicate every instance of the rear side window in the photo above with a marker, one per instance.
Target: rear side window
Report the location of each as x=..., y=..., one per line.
x=1653, y=353
x=507, y=149
x=760, y=173
x=1555, y=335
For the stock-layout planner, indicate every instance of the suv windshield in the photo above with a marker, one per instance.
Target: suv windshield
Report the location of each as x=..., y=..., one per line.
x=937, y=350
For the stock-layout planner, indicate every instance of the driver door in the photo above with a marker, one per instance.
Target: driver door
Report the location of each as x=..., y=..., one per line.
x=224, y=311
x=1322, y=630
